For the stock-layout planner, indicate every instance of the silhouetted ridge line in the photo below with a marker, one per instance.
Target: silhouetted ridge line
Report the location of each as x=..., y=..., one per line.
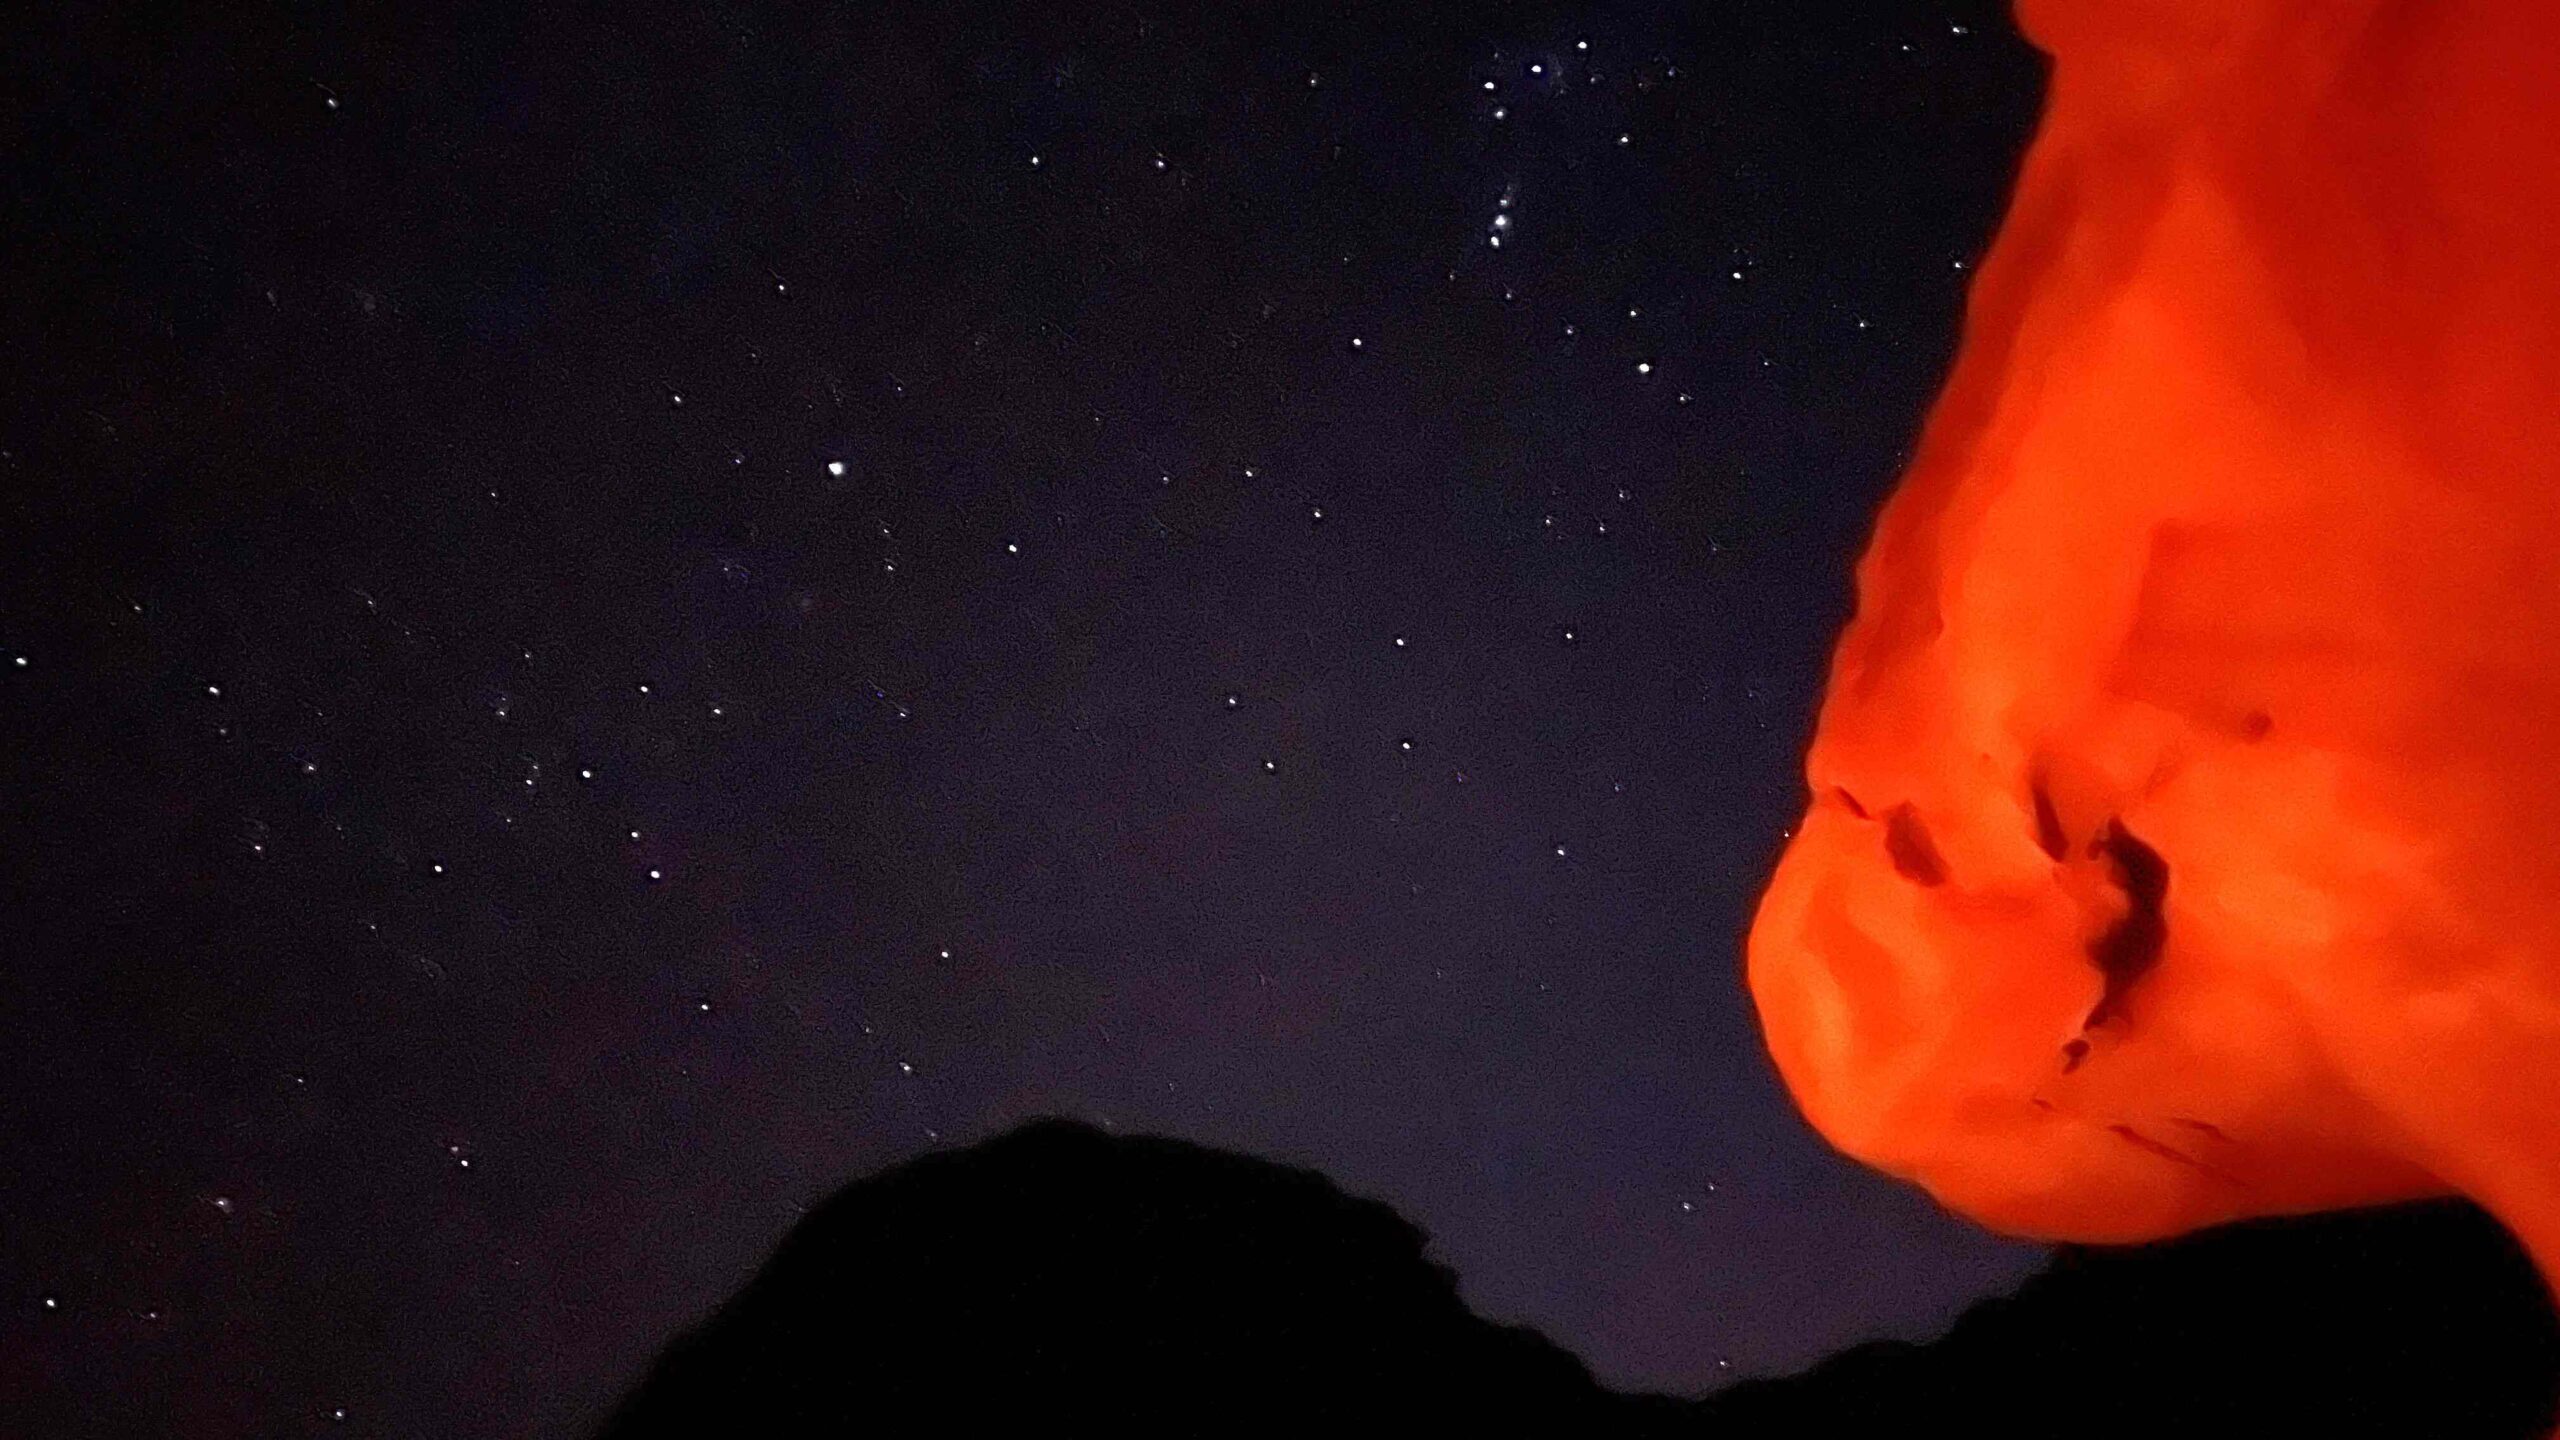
x=1057, y=1275
x=1060, y=1279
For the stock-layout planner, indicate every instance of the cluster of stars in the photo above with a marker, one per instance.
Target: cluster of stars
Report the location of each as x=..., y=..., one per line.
x=1654, y=349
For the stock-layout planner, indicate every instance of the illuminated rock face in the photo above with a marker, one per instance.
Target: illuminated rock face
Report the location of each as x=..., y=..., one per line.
x=2184, y=836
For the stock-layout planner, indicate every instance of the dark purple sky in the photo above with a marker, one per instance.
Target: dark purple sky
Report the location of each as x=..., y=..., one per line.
x=612, y=619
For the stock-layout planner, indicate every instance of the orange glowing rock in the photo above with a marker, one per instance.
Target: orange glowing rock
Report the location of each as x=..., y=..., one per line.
x=2184, y=840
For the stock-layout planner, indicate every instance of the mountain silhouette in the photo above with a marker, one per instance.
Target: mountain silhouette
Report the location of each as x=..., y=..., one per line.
x=2420, y=1320
x=1060, y=1279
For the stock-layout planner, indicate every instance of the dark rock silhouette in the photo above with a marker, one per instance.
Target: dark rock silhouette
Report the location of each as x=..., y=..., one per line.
x=1059, y=1278
x=2422, y=1320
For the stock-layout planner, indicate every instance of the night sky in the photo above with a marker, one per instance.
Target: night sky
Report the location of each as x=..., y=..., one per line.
x=614, y=615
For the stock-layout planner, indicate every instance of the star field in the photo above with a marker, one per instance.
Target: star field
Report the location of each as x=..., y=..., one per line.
x=615, y=619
